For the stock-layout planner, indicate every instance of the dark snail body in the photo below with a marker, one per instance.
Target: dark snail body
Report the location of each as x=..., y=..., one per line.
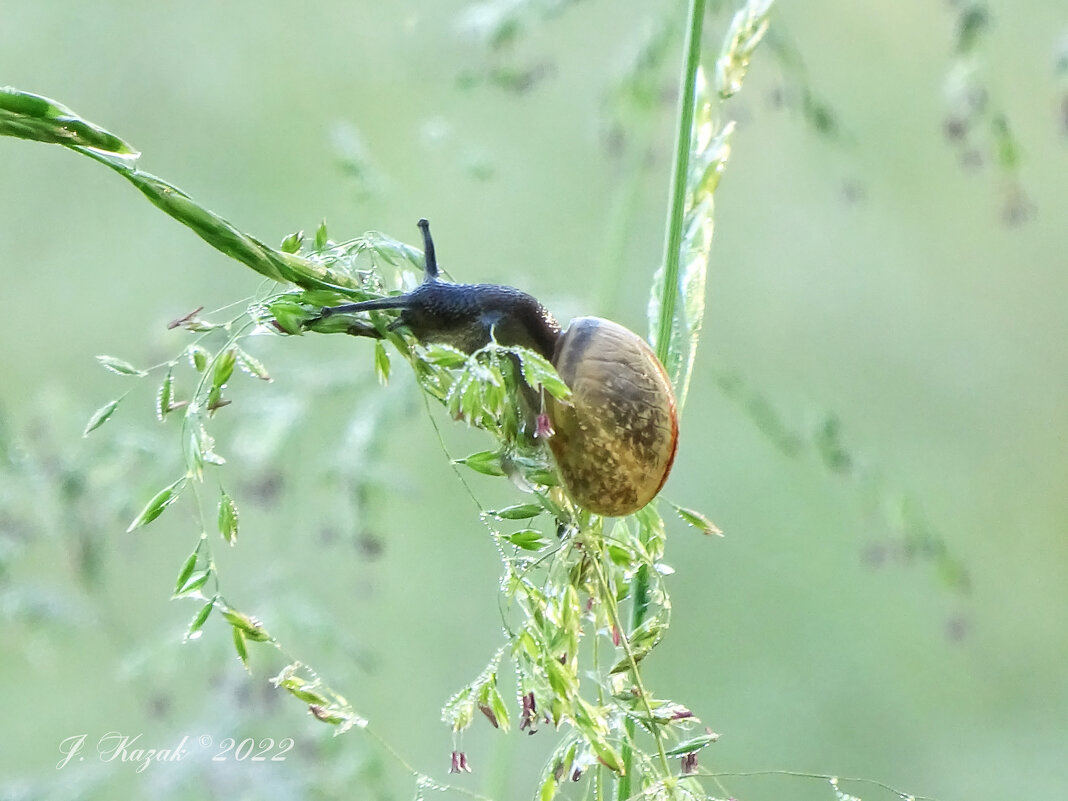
x=614, y=440
x=467, y=316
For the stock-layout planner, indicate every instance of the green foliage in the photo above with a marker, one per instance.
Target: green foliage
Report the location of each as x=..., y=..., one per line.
x=119, y=366
x=227, y=518
x=583, y=598
x=160, y=501
x=677, y=300
x=101, y=416
x=30, y=116
x=566, y=580
x=570, y=578
x=698, y=521
x=748, y=27
x=323, y=703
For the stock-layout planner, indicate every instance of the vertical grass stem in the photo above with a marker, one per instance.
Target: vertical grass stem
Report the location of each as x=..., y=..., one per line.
x=670, y=293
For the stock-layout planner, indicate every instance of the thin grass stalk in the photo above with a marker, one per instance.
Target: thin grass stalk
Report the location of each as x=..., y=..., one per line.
x=669, y=294
x=677, y=209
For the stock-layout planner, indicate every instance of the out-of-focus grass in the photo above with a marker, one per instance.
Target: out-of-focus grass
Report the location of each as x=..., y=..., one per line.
x=871, y=278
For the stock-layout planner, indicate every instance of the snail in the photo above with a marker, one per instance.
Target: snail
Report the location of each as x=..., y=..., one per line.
x=614, y=439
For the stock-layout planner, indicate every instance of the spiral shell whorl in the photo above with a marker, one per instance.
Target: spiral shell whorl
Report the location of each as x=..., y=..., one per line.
x=615, y=439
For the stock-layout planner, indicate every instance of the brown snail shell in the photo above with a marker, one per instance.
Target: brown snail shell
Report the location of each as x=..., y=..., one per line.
x=615, y=438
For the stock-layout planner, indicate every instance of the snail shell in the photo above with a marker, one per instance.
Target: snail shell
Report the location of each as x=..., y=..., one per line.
x=615, y=438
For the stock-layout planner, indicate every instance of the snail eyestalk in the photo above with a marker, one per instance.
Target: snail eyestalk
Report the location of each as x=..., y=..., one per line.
x=428, y=251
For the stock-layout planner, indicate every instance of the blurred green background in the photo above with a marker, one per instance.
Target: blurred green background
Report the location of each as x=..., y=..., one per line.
x=875, y=281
